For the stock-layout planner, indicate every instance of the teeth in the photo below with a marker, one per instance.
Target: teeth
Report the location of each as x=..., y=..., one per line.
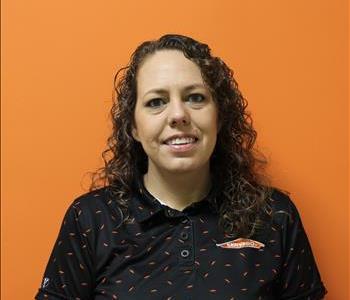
x=179, y=141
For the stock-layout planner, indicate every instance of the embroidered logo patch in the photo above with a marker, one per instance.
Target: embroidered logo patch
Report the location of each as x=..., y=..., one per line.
x=241, y=243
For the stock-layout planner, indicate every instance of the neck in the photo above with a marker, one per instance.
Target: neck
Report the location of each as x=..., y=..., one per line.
x=178, y=190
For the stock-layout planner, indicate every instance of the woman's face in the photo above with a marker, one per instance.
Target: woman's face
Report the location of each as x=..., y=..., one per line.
x=173, y=101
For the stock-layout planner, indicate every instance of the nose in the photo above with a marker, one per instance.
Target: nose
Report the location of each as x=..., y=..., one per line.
x=178, y=114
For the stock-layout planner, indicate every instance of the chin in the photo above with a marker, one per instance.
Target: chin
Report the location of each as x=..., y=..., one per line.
x=184, y=167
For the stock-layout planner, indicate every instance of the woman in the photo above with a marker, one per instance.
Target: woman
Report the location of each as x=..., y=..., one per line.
x=184, y=211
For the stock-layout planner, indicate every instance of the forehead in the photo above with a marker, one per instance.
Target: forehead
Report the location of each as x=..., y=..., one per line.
x=167, y=68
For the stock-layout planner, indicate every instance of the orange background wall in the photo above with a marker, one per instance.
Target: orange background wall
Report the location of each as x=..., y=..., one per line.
x=58, y=62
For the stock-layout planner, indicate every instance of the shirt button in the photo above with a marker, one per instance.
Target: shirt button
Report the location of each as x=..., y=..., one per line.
x=185, y=253
x=184, y=235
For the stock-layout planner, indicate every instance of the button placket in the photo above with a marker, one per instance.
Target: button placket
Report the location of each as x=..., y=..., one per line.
x=186, y=249
x=184, y=235
x=185, y=253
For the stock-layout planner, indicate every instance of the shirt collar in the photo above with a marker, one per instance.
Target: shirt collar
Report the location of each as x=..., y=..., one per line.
x=145, y=206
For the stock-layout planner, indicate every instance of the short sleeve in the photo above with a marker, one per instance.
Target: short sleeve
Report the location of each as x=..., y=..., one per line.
x=299, y=277
x=69, y=272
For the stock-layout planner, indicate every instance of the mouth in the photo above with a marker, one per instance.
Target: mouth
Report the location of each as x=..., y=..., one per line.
x=181, y=145
x=178, y=141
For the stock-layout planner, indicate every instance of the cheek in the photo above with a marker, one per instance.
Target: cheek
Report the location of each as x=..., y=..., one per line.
x=142, y=125
x=149, y=132
x=208, y=122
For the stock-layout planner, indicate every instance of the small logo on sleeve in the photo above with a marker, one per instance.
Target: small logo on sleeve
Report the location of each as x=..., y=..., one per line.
x=45, y=282
x=241, y=243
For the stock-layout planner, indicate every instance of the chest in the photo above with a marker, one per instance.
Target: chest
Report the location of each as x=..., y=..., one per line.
x=180, y=259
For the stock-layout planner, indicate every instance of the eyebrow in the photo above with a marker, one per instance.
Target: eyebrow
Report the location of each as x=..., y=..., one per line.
x=187, y=88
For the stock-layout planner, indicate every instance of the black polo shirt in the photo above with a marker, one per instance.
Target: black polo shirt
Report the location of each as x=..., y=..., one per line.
x=168, y=254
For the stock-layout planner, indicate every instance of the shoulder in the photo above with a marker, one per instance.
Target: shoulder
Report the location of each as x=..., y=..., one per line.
x=94, y=206
x=286, y=218
x=92, y=199
x=299, y=277
x=283, y=207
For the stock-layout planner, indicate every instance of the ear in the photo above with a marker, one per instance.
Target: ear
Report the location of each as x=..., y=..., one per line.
x=134, y=133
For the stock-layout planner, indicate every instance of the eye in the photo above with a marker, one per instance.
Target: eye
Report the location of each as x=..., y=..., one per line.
x=197, y=98
x=156, y=102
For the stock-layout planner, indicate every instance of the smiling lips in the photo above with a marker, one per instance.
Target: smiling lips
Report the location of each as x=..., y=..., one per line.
x=179, y=143
x=184, y=143
x=181, y=139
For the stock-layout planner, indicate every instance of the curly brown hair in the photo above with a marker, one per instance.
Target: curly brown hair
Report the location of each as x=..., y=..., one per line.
x=237, y=168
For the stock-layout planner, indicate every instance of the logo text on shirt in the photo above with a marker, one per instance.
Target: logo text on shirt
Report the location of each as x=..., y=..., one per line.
x=241, y=243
